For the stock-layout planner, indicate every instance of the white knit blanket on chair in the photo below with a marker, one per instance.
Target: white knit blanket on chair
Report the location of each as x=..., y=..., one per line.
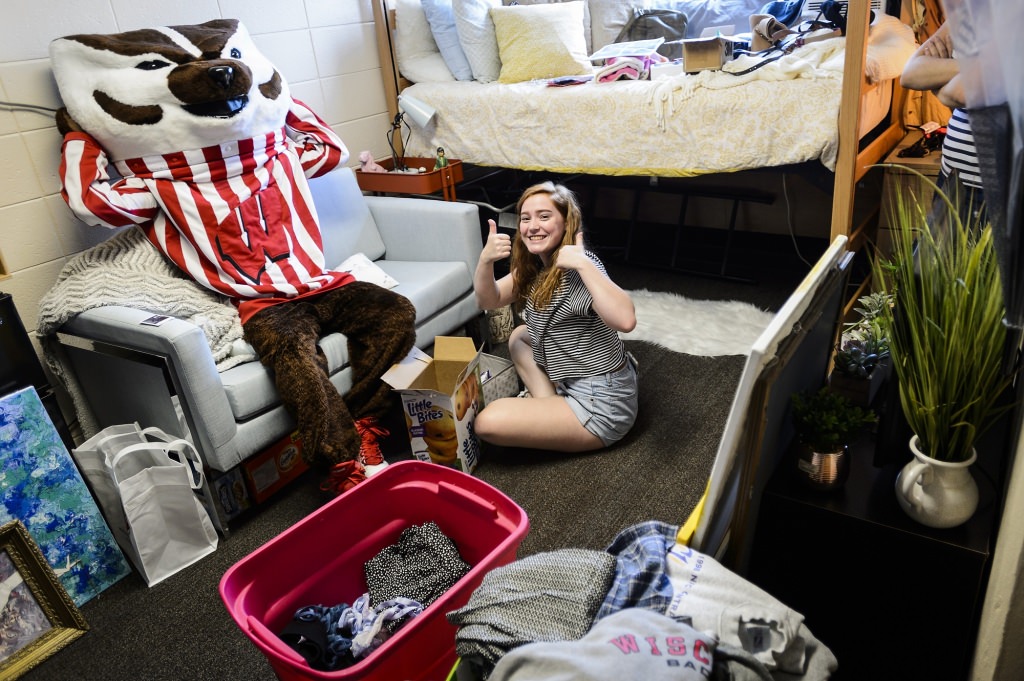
x=128, y=270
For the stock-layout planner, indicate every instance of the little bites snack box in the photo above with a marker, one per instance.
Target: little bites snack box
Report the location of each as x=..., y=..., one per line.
x=440, y=398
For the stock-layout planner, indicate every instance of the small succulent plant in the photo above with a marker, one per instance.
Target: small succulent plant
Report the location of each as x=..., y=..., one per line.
x=864, y=342
x=826, y=421
x=858, y=358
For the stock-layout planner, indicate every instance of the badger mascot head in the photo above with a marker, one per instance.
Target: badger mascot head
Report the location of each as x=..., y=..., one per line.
x=162, y=90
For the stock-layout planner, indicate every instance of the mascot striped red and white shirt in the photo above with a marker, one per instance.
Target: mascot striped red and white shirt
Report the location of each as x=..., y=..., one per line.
x=237, y=217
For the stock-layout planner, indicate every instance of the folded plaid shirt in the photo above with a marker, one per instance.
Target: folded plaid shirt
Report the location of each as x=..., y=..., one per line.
x=640, y=577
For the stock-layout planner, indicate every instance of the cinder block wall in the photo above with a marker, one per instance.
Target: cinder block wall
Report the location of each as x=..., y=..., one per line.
x=326, y=49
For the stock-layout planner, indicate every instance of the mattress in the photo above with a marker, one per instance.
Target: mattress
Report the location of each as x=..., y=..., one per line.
x=874, y=106
x=783, y=113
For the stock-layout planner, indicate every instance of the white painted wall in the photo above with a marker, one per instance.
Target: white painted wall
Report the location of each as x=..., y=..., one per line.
x=325, y=49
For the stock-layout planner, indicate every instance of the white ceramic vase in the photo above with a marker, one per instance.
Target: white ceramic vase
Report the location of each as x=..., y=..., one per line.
x=937, y=493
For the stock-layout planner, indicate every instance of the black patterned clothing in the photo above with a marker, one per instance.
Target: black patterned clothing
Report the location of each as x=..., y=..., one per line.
x=422, y=565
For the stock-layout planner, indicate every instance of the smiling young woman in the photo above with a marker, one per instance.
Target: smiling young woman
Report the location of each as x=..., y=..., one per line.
x=581, y=382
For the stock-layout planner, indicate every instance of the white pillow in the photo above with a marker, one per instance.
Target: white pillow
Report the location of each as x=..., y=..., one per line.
x=417, y=55
x=442, y=26
x=476, y=35
x=541, y=41
x=364, y=269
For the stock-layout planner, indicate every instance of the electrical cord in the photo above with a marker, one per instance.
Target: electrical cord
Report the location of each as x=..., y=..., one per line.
x=36, y=108
x=789, y=222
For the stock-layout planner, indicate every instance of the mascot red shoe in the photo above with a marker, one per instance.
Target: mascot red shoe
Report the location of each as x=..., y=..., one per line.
x=190, y=134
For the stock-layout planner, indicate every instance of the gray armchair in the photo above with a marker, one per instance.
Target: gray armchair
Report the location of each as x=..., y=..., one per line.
x=166, y=375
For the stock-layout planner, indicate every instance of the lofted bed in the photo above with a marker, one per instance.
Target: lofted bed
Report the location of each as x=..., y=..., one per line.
x=836, y=107
x=722, y=522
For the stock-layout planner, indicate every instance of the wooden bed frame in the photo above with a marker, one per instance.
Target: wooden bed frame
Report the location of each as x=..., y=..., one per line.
x=852, y=161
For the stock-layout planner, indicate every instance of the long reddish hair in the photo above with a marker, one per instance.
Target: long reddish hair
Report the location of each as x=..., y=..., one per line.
x=530, y=276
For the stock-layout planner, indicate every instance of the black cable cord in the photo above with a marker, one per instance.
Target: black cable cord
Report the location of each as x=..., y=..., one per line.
x=398, y=162
x=29, y=107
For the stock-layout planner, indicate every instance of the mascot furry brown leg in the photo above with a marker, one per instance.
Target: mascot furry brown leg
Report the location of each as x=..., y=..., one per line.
x=379, y=328
x=210, y=155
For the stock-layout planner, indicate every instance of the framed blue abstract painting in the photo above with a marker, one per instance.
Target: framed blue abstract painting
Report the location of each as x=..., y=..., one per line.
x=41, y=486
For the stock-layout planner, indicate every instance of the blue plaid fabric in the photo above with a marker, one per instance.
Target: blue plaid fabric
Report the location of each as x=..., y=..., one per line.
x=786, y=11
x=640, y=579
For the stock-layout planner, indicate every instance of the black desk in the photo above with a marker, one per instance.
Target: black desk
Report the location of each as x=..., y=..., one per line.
x=891, y=598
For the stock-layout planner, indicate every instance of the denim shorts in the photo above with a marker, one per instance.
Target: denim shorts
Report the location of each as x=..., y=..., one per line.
x=606, y=404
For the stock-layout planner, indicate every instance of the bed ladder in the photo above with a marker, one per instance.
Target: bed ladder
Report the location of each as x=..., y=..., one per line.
x=852, y=162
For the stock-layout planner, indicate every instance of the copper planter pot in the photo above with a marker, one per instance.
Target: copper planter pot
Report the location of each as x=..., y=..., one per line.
x=822, y=470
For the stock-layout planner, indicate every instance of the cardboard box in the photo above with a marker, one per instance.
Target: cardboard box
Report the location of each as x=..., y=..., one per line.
x=231, y=493
x=274, y=467
x=706, y=53
x=440, y=399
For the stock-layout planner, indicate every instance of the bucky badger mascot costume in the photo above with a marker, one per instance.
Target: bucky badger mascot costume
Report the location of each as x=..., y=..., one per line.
x=210, y=156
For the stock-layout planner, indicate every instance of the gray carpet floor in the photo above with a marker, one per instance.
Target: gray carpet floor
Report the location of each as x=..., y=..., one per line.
x=180, y=629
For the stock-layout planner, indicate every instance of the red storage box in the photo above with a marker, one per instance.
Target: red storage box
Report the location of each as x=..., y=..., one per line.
x=320, y=560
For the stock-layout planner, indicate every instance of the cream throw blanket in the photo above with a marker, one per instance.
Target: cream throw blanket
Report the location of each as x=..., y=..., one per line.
x=890, y=45
x=128, y=270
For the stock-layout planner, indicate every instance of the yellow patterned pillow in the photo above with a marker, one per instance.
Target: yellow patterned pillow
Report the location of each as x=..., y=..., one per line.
x=541, y=41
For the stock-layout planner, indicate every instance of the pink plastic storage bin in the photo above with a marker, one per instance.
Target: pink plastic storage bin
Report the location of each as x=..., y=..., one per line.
x=320, y=561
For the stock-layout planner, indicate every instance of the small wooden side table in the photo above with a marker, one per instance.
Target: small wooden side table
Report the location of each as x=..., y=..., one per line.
x=441, y=180
x=910, y=185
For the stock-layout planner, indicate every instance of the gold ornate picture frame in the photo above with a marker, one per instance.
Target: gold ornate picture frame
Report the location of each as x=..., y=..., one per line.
x=37, y=615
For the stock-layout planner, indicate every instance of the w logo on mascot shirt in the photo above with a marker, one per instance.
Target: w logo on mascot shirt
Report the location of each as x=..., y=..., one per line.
x=238, y=218
x=254, y=235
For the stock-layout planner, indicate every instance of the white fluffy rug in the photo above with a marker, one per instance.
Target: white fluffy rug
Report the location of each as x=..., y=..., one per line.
x=705, y=328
